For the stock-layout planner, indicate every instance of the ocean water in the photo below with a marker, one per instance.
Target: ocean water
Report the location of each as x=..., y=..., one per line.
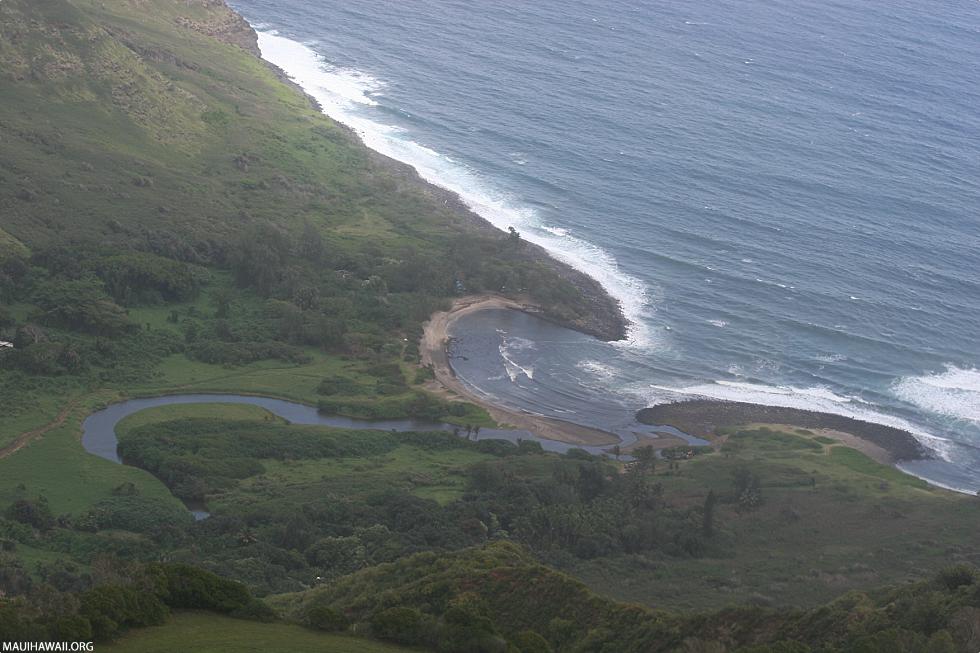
x=783, y=194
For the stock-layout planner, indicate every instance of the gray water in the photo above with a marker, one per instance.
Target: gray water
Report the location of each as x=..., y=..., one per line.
x=784, y=194
x=99, y=428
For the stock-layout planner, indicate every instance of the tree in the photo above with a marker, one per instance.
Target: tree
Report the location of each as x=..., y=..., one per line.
x=260, y=256
x=69, y=358
x=221, y=298
x=591, y=481
x=28, y=334
x=646, y=458
x=746, y=488
x=35, y=513
x=403, y=625
x=465, y=630
x=708, y=525
x=296, y=533
x=338, y=555
x=641, y=494
x=111, y=607
x=311, y=243
x=80, y=304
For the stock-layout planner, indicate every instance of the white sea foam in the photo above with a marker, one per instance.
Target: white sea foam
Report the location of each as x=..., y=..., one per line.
x=831, y=358
x=556, y=231
x=597, y=368
x=954, y=392
x=516, y=343
x=954, y=488
x=509, y=348
x=348, y=97
x=513, y=368
x=721, y=324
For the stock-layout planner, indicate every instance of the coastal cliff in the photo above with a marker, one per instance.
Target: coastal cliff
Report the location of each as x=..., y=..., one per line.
x=224, y=24
x=599, y=314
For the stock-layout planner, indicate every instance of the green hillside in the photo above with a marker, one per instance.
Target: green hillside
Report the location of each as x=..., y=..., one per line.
x=168, y=201
x=176, y=217
x=475, y=600
x=422, y=538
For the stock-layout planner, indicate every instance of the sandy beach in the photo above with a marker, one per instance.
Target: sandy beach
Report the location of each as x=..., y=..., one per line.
x=433, y=350
x=884, y=444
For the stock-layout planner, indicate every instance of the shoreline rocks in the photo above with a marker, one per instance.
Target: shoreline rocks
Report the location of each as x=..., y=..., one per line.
x=703, y=416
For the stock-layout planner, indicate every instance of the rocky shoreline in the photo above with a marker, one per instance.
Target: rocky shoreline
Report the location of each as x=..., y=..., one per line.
x=702, y=417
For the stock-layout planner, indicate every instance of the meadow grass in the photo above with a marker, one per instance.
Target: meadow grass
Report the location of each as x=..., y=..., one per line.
x=210, y=633
x=831, y=519
x=429, y=474
x=42, y=409
x=438, y=475
x=56, y=466
x=180, y=411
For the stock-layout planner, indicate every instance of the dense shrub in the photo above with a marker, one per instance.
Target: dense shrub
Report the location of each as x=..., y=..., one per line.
x=136, y=514
x=111, y=608
x=35, y=513
x=323, y=618
x=401, y=625
x=240, y=353
x=80, y=304
x=188, y=588
x=142, y=278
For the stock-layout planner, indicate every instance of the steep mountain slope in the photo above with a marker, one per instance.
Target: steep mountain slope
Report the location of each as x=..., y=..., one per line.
x=153, y=125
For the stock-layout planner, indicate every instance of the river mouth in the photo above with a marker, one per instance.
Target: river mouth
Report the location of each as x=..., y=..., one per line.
x=519, y=361
x=522, y=362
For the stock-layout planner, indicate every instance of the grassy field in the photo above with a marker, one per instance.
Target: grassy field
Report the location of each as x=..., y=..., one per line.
x=428, y=474
x=830, y=519
x=56, y=466
x=436, y=475
x=216, y=411
x=209, y=633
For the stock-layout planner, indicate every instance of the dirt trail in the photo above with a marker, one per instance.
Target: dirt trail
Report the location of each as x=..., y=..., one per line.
x=26, y=438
